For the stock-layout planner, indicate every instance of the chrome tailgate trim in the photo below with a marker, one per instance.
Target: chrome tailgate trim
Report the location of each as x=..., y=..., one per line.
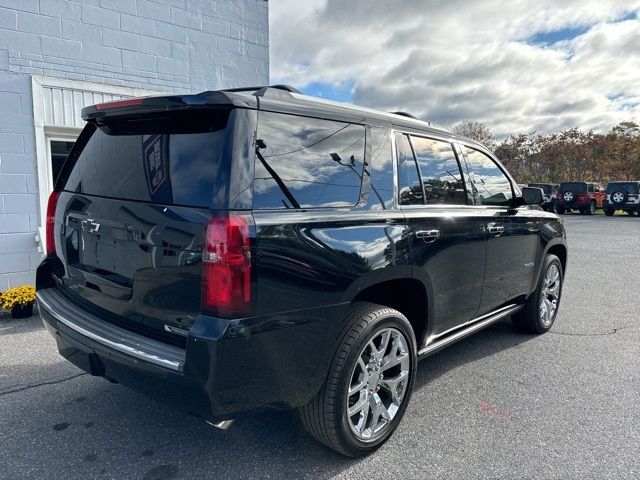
x=119, y=339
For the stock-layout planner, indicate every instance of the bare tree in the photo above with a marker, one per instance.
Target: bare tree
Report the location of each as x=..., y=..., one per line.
x=477, y=131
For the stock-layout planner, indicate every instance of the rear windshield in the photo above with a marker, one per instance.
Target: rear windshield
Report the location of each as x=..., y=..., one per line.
x=163, y=160
x=546, y=188
x=576, y=187
x=631, y=187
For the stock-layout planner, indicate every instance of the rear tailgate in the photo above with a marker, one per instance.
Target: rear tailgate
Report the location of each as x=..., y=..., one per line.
x=135, y=195
x=630, y=190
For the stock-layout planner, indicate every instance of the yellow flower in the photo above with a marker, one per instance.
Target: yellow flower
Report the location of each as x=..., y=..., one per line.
x=13, y=297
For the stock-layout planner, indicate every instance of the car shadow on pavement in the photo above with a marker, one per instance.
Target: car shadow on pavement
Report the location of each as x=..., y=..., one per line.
x=82, y=426
x=494, y=339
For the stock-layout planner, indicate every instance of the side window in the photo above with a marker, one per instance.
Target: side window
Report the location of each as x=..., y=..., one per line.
x=307, y=163
x=409, y=187
x=380, y=170
x=590, y=185
x=489, y=185
x=440, y=172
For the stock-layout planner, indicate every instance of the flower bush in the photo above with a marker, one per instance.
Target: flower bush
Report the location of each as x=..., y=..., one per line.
x=22, y=296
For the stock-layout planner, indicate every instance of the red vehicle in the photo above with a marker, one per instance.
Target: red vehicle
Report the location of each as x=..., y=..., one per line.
x=586, y=197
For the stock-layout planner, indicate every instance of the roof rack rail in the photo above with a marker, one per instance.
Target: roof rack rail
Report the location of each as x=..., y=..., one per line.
x=406, y=114
x=262, y=89
x=275, y=90
x=287, y=88
x=242, y=89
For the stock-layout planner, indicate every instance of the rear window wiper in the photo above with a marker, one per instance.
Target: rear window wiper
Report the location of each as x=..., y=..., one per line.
x=283, y=188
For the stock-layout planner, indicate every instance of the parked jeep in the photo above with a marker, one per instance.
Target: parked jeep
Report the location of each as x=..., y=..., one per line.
x=623, y=196
x=586, y=197
x=245, y=248
x=550, y=192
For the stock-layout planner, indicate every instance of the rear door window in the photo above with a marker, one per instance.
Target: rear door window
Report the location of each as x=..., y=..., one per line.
x=146, y=161
x=409, y=185
x=381, y=169
x=489, y=184
x=306, y=162
x=440, y=172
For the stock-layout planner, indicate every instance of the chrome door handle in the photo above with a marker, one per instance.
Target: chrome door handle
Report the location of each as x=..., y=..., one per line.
x=495, y=229
x=428, y=235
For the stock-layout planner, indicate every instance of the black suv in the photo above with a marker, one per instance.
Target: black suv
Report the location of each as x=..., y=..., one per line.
x=247, y=248
x=623, y=196
x=550, y=191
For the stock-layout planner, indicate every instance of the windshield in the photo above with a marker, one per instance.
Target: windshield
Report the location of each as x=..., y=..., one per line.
x=630, y=187
x=576, y=187
x=546, y=188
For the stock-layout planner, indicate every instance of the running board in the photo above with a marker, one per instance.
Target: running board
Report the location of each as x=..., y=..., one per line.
x=473, y=326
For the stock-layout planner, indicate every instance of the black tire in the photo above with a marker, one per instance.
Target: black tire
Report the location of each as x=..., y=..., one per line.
x=560, y=210
x=591, y=209
x=325, y=417
x=528, y=319
x=623, y=196
x=608, y=211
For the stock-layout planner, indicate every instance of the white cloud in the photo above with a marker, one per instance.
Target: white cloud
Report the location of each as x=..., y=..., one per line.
x=465, y=60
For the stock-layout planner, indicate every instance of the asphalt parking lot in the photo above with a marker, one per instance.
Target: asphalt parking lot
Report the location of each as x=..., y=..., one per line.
x=500, y=404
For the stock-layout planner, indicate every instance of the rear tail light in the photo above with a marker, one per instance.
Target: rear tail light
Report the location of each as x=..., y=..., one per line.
x=226, y=266
x=50, y=240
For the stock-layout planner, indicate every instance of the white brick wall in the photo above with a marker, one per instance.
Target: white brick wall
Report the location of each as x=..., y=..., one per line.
x=170, y=45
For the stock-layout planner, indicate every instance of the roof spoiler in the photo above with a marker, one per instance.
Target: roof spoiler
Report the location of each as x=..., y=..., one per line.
x=205, y=100
x=142, y=105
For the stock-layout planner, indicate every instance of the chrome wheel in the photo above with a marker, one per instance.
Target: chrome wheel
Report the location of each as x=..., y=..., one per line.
x=378, y=384
x=550, y=295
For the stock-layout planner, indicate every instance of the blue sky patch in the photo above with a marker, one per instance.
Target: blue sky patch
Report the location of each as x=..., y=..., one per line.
x=338, y=93
x=549, y=38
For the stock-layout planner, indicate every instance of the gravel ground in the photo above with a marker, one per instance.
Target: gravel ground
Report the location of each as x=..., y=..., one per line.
x=500, y=404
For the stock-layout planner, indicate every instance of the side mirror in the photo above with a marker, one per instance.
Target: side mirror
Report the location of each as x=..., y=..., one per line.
x=532, y=196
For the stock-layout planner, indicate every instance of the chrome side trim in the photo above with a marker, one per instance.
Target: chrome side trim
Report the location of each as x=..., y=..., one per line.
x=443, y=340
x=114, y=343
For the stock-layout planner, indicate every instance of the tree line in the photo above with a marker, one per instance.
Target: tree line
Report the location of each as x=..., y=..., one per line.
x=571, y=155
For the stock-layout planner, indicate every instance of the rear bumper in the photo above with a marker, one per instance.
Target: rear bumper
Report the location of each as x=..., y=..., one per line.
x=576, y=204
x=633, y=207
x=228, y=366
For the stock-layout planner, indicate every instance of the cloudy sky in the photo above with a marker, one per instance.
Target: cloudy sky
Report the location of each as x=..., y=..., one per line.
x=518, y=65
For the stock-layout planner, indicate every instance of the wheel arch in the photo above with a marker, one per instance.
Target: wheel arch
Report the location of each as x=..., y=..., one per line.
x=403, y=293
x=557, y=247
x=559, y=250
